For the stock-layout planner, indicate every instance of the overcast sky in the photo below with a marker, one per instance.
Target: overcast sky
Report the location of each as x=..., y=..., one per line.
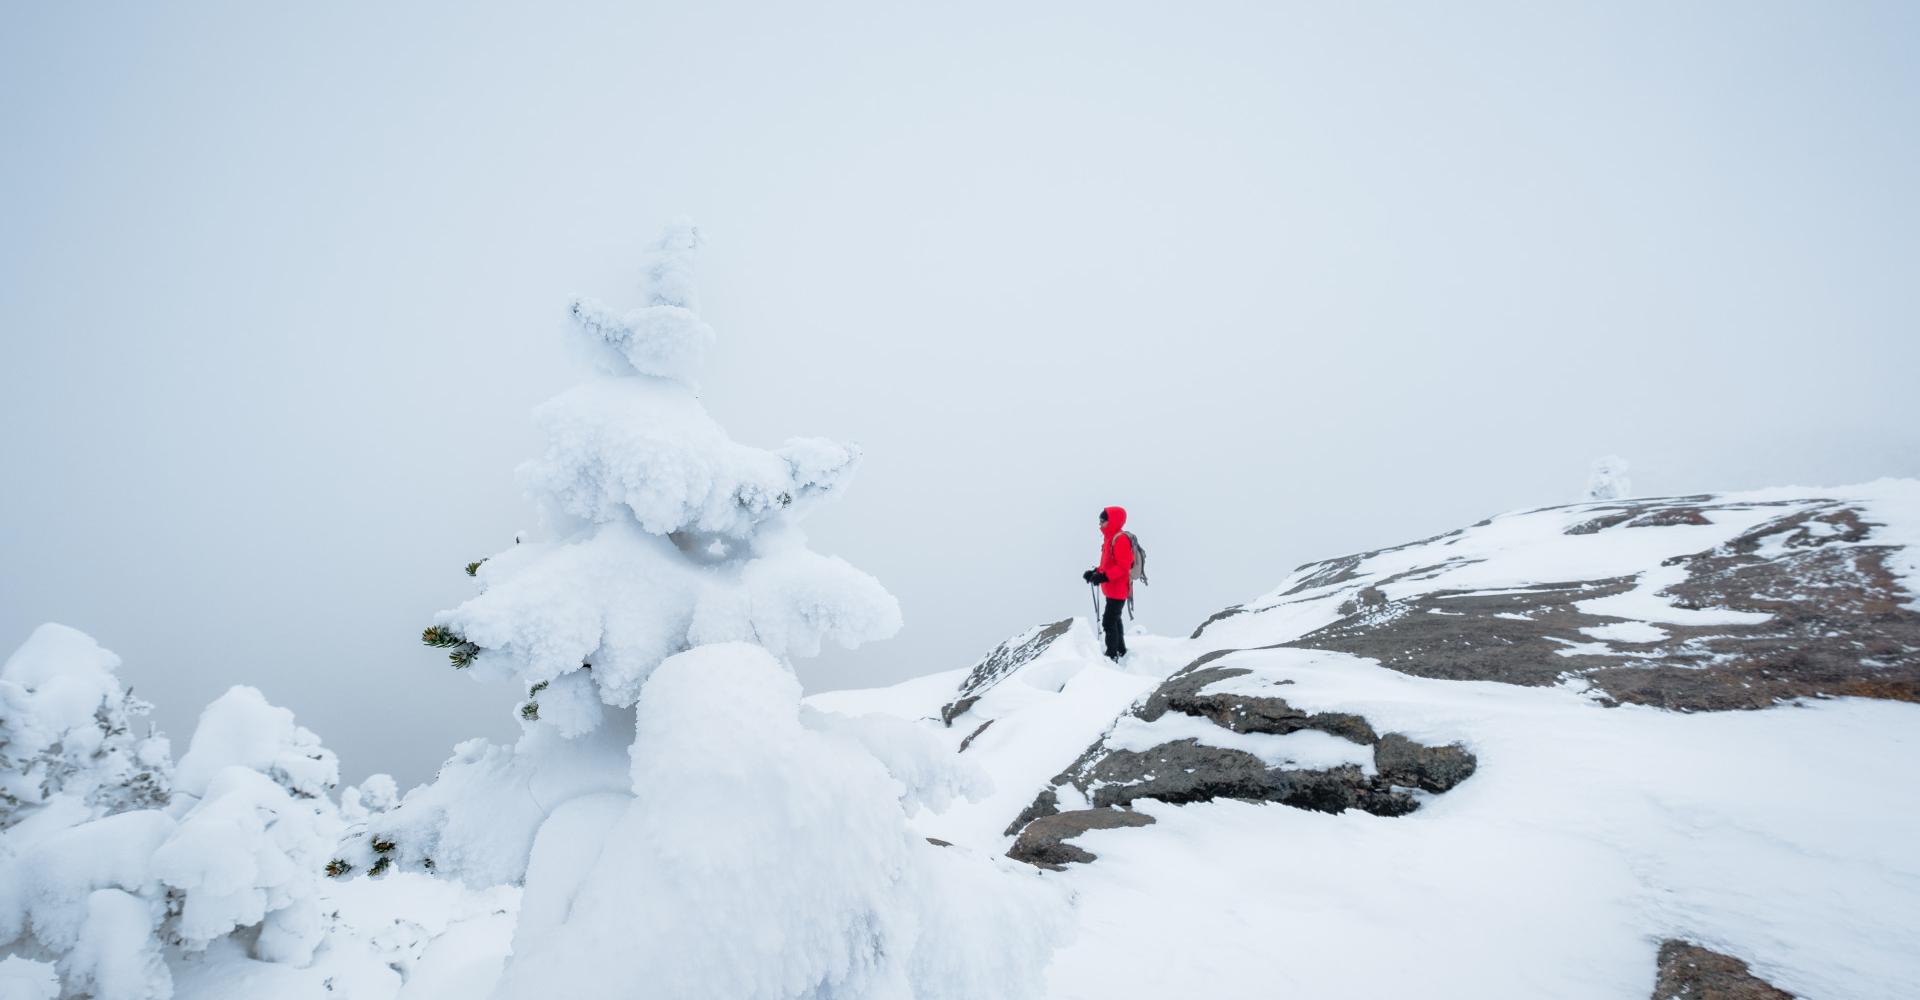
x=279, y=284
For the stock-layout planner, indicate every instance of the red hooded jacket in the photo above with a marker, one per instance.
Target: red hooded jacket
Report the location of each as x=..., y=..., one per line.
x=1116, y=555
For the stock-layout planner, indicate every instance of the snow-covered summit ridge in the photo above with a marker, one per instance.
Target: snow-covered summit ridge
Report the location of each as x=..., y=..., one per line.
x=1719, y=601
x=1593, y=831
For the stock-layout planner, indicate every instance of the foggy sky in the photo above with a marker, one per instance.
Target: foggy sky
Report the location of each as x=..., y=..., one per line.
x=279, y=286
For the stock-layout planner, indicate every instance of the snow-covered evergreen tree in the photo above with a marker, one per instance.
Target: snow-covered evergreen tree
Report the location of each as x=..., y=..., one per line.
x=1609, y=479
x=673, y=582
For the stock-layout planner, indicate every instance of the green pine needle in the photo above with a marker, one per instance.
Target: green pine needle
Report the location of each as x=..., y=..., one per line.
x=441, y=637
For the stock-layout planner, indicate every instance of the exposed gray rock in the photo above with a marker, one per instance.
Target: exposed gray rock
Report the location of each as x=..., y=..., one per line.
x=1470, y=639
x=1181, y=771
x=964, y=744
x=997, y=665
x=1044, y=841
x=1047, y=803
x=1690, y=972
x=1221, y=615
x=1187, y=770
x=956, y=708
x=1243, y=713
x=1401, y=761
x=1838, y=625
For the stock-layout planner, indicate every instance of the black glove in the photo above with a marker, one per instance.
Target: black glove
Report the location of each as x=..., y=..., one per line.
x=1095, y=576
x=1088, y=575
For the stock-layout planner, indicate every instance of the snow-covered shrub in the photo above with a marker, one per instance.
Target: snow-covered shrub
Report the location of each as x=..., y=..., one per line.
x=1609, y=479
x=477, y=820
x=370, y=798
x=762, y=858
x=120, y=863
x=66, y=739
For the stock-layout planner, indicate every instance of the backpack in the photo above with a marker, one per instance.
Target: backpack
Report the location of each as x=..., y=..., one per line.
x=1139, y=570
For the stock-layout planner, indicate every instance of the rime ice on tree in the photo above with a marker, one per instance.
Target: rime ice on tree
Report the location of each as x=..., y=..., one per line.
x=114, y=863
x=666, y=533
x=662, y=732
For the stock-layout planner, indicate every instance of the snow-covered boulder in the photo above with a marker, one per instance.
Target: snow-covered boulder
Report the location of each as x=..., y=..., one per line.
x=1551, y=688
x=67, y=740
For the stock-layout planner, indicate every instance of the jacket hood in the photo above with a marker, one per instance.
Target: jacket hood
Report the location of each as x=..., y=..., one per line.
x=1116, y=520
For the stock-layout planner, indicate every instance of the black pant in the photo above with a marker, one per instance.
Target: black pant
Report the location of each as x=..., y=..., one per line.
x=1116, y=639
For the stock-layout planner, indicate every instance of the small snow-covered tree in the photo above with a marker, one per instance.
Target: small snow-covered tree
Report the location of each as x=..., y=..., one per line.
x=652, y=630
x=660, y=533
x=1608, y=480
x=116, y=862
x=255, y=831
x=66, y=733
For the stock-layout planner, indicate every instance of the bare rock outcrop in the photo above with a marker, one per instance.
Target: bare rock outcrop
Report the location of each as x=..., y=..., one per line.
x=1807, y=606
x=1187, y=769
x=999, y=664
x=1690, y=972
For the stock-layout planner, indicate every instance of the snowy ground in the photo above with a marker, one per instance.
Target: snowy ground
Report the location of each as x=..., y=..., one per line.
x=1587, y=835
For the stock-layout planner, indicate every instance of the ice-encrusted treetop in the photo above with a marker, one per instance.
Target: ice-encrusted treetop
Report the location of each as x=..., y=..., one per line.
x=664, y=533
x=645, y=449
x=662, y=336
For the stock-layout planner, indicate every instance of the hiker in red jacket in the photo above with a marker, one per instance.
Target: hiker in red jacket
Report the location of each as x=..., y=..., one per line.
x=1114, y=575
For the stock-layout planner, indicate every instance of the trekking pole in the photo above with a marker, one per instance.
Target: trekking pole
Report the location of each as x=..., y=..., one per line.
x=1093, y=594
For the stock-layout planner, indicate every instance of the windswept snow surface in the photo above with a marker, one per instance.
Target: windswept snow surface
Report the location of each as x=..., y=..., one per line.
x=1586, y=836
x=1056, y=705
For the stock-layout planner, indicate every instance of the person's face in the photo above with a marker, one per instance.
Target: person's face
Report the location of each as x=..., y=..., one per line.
x=1103, y=519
